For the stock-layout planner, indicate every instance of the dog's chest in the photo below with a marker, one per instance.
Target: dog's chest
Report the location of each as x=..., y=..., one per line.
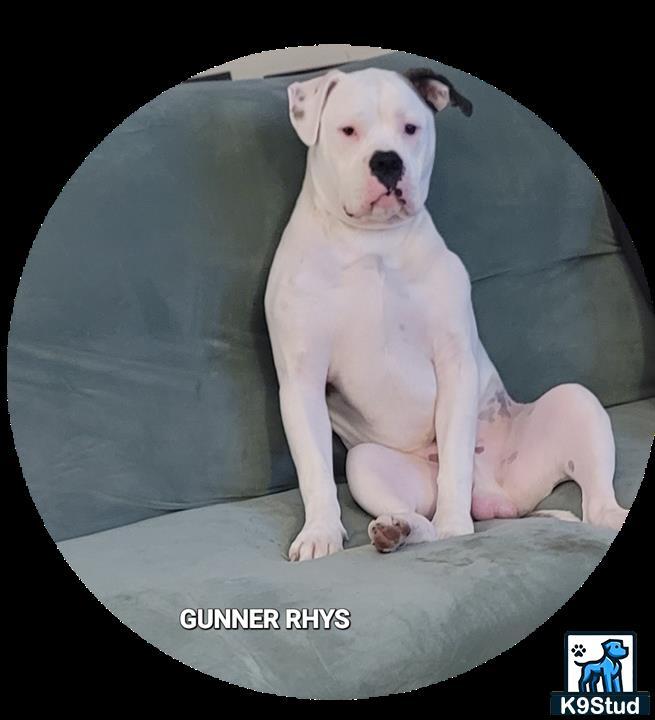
x=383, y=309
x=382, y=352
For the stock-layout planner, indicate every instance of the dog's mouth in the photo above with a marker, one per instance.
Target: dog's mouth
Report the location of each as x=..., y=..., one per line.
x=393, y=195
x=390, y=203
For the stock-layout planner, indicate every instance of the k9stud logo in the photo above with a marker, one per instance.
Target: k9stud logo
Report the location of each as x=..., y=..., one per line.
x=600, y=676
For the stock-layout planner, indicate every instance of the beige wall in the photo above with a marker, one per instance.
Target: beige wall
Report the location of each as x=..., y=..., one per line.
x=294, y=58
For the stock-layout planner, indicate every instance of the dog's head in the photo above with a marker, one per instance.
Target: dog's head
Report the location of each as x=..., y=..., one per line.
x=371, y=139
x=615, y=649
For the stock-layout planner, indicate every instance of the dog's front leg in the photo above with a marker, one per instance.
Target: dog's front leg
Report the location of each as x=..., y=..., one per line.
x=309, y=434
x=300, y=331
x=608, y=680
x=455, y=427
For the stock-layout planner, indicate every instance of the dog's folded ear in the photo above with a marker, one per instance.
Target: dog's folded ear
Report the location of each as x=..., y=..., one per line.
x=306, y=102
x=437, y=91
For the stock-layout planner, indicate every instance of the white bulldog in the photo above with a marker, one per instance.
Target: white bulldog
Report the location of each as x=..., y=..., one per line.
x=374, y=336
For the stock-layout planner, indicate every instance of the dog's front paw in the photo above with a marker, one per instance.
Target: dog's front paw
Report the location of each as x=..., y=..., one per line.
x=453, y=526
x=316, y=541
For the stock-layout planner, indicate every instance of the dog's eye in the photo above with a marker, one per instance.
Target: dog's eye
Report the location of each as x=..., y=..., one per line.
x=348, y=130
x=410, y=129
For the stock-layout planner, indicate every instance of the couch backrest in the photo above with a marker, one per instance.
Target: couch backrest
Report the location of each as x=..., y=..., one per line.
x=141, y=378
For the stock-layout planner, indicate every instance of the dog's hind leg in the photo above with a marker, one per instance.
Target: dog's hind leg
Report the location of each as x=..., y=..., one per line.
x=593, y=683
x=566, y=433
x=398, y=489
x=584, y=683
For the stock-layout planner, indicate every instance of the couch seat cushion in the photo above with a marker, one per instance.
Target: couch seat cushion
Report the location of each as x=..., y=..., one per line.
x=418, y=616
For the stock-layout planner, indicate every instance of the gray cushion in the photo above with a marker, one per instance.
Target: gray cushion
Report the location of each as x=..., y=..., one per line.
x=419, y=616
x=140, y=374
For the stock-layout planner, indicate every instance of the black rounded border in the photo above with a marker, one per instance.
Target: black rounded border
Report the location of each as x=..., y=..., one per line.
x=594, y=106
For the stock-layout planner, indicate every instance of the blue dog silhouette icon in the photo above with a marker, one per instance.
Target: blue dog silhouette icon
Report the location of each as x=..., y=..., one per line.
x=608, y=668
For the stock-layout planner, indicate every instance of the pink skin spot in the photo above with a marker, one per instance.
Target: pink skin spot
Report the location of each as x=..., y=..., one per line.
x=512, y=457
x=433, y=457
x=479, y=449
x=571, y=466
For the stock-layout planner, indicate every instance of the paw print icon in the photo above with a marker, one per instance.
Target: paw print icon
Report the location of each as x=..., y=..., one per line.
x=578, y=650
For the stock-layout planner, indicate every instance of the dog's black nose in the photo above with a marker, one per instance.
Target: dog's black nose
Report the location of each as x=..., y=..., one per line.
x=387, y=167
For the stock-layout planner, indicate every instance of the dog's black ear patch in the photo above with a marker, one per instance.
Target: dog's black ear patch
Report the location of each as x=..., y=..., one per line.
x=434, y=88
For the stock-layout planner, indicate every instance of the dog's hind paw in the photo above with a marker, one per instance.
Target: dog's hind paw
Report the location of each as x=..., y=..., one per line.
x=608, y=517
x=388, y=533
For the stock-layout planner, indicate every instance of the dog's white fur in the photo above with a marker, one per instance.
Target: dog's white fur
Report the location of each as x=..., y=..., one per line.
x=365, y=299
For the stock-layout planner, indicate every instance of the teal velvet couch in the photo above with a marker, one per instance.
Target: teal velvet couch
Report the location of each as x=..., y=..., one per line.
x=144, y=402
